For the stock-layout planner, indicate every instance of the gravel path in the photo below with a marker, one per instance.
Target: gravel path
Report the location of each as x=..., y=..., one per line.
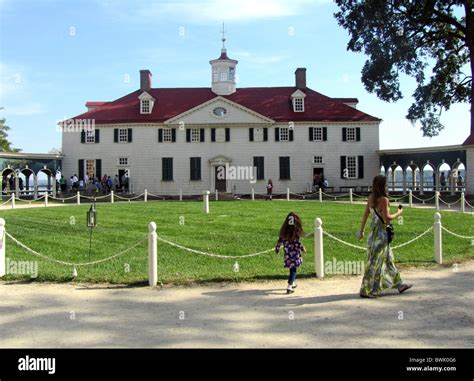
x=437, y=312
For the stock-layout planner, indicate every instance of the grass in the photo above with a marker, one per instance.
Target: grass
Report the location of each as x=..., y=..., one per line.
x=231, y=228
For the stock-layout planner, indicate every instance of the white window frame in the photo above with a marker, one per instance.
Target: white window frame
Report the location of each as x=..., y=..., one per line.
x=318, y=160
x=90, y=166
x=258, y=134
x=145, y=106
x=298, y=104
x=220, y=135
x=123, y=135
x=318, y=134
x=90, y=136
x=195, y=135
x=123, y=161
x=284, y=134
x=167, y=135
x=354, y=167
x=352, y=134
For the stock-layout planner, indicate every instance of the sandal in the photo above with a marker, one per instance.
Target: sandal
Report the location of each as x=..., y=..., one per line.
x=369, y=296
x=404, y=287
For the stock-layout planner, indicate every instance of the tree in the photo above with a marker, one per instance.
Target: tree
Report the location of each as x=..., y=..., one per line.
x=5, y=145
x=411, y=36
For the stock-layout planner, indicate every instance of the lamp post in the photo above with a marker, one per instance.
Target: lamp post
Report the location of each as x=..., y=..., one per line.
x=91, y=224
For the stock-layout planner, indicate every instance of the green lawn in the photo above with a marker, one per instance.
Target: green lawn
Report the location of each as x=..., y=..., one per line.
x=231, y=228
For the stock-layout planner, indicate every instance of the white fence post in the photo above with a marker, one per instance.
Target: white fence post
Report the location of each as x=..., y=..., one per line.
x=205, y=199
x=2, y=247
x=217, y=195
x=78, y=198
x=350, y=195
x=410, y=198
x=180, y=195
x=13, y=200
x=438, y=239
x=318, y=248
x=320, y=195
x=253, y=194
x=287, y=194
x=152, y=255
x=46, y=199
x=437, y=200
x=146, y=196
x=112, y=197
x=463, y=202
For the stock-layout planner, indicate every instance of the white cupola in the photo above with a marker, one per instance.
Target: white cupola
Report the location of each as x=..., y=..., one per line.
x=223, y=72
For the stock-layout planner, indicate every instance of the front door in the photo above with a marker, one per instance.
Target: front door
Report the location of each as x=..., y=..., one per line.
x=318, y=176
x=220, y=175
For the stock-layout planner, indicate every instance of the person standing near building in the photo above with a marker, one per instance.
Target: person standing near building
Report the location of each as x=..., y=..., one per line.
x=442, y=181
x=269, y=190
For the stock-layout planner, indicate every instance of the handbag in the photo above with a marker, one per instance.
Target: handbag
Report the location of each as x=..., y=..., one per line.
x=388, y=227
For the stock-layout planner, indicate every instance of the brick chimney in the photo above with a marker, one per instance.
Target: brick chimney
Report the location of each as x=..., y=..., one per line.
x=300, y=78
x=145, y=80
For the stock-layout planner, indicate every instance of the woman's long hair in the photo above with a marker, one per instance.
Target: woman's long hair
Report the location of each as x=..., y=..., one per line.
x=379, y=189
x=292, y=227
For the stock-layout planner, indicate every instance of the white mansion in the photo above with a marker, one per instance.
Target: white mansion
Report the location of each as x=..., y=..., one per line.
x=168, y=139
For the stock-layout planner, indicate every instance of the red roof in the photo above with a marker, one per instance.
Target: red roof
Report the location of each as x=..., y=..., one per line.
x=469, y=141
x=272, y=102
x=92, y=103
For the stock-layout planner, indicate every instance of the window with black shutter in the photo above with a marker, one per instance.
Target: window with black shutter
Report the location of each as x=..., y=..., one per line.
x=81, y=168
x=213, y=134
x=250, y=134
x=167, y=168
x=344, y=134
x=116, y=135
x=97, y=136
x=173, y=135
x=195, y=168
x=227, y=134
x=358, y=134
x=83, y=136
x=343, y=167
x=291, y=134
x=311, y=134
x=202, y=135
x=284, y=168
x=188, y=135
x=160, y=135
x=129, y=135
x=98, y=168
x=360, y=166
x=277, y=134
x=265, y=134
x=258, y=162
x=325, y=134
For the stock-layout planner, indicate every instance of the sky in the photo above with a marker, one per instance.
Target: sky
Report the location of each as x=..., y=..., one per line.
x=55, y=55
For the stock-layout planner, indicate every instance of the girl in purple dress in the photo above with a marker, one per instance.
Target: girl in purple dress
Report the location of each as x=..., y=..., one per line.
x=290, y=233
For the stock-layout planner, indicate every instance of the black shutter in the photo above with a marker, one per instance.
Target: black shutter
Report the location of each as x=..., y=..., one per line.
x=344, y=134
x=188, y=135
x=173, y=135
x=265, y=134
x=258, y=162
x=325, y=133
x=202, y=135
x=130, y=138
x=250, y=134
x=97, y=136
x=213, y=134
x=358, y=134
x=167, y=168
x=311, y=134
x=227, y=134
x=160, y=135
x=98, y=168
x=83, y=136
x=81, y=169
x=343, y=166
x=284, y=168
x=115, y=135
x=291, y=134
x=195, y=168
x=360, y=165
x=277, y=134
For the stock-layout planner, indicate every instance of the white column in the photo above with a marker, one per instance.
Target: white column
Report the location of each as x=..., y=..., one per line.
x=287, y=194
x=452, y=184
x=463, y=202
x=410, y=198
x=180, y=195
x=217, y=195
x=438, y=239
x=437, y=200
x=78, y=198
x=404, y=185
x=205, y=199
x=152, y=255
x=17, y=186
x=35, y=186
x=350, y=195
x=2, y=247
x=146, y=196
x=318, y=248
x=112, y=197
x=253, y=194
x=320, y=195
x=46, y=199
x=13, y=200
x=422, y=183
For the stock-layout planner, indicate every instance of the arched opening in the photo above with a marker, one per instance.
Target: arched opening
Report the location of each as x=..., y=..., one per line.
x=429, y=178
x=26, y=181
x=459, y=176
x=445, y=177
x=382, y=170
x=44, y=181
x=8, y=181
x=395, y=178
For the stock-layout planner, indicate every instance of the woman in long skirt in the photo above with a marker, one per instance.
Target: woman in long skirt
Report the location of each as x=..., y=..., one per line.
x=380, y=273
